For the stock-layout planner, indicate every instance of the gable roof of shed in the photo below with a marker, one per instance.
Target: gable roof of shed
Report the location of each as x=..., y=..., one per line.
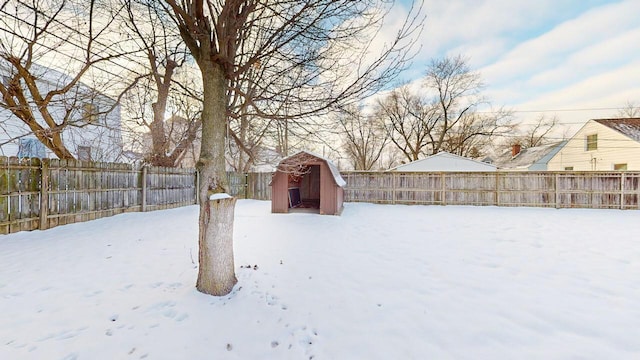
x=334, y=170
x=627, y=126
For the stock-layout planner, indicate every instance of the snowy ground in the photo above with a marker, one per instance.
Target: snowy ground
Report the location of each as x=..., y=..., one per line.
x=379, y=282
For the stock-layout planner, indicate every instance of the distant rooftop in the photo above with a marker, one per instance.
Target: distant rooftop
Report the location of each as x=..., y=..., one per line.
x=628, y=126
x=527, y=157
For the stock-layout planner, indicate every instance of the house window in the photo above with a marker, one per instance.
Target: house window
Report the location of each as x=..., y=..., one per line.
x=84, y=153
x=89, y=113
x=31, y=148
x=592, y=142
x=568, y=168
x=620, y=167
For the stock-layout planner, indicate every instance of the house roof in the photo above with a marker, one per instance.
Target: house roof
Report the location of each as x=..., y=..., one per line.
x=334, y=170
x=628, y=126
x=526, y=158
x=444, y=161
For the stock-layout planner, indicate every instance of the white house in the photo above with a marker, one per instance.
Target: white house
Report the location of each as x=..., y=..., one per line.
x=94, y=130
x=601, y=145
x=444, y=161
x=534, y=158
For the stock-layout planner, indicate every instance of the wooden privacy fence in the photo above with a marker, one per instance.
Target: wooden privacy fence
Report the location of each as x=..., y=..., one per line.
x=596, y=190
x=255, y=185
x=40, y=194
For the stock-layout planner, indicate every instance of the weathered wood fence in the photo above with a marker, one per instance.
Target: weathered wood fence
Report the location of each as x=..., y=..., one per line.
x=40, y=194
x=253, y=185
x=596, y=190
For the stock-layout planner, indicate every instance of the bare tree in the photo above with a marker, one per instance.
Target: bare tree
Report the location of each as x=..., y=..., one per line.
x=443, y=115
x=536, y=134
x=161, y=85
x=45, y=100
x=458, y=96
x=410, y=121
x=364, y=137
x=300, y=47
x=473, y=134
x=630, y=110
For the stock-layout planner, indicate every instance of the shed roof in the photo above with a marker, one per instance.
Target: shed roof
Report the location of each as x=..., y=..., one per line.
x=334, y=170
x=628, y=126
x=444, y=161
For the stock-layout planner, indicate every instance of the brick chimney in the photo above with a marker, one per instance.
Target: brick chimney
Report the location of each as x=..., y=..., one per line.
x=515, y=149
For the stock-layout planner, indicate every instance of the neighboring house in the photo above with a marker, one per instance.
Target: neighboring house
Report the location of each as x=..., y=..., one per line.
x=444, y=161
x=529, y=159
x=602, y=145
x=94, y=133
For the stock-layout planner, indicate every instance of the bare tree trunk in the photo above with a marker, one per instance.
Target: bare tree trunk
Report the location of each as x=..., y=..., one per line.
x=216, y=275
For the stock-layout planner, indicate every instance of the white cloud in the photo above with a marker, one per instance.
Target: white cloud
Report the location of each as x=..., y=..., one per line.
x=589, y=62
x=460, y=26
x=598, y=57
x=542, y=55
x=553, y=48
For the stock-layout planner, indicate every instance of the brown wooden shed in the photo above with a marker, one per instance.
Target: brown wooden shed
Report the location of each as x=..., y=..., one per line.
x=307, y=181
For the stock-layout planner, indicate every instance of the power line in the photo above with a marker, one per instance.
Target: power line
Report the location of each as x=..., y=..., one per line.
x=569, y=110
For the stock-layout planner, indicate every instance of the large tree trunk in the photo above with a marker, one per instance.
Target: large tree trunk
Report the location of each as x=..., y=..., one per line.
x=216, y=275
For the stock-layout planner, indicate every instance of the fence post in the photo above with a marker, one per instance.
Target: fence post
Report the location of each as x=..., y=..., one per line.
x=497, y=201
x=44, y=194
x=197, y=187
x=444, y=188
x=393, y=187
x=556, y=190
x=144, y=188
x=246, y=185
x=622, y=190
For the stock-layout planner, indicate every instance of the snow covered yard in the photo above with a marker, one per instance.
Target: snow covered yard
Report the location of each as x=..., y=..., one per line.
x=379, y=282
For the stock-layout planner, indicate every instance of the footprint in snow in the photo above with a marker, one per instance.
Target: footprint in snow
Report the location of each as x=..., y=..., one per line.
x=271, y=300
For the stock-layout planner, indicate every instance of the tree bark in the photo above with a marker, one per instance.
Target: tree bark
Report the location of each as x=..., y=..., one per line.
x=216, y=275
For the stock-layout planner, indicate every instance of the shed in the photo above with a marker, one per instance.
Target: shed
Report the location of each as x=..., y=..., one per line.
x=444, y=161
x=307, y=181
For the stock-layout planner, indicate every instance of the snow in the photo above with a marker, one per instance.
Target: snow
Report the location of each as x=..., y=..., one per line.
x=378, y=282
x=219, y=196
x=444, y=161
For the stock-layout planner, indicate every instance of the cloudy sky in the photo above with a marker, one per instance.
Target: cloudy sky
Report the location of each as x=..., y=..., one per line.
x=577, y=59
